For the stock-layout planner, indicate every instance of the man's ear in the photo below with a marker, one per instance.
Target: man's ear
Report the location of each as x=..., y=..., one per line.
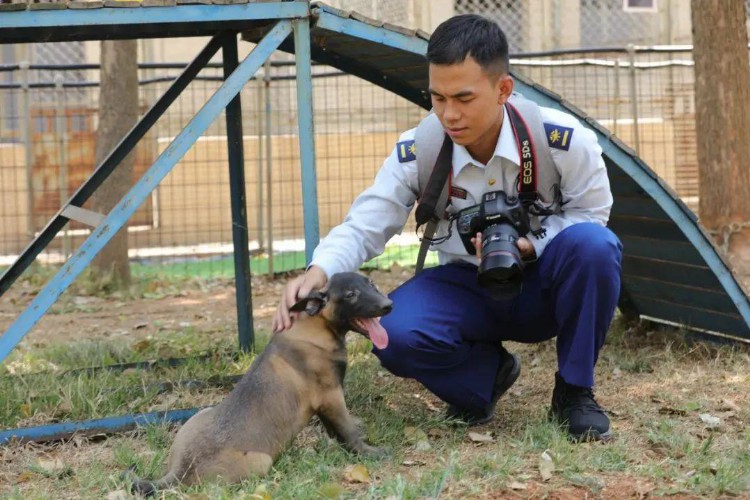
x=312, y=304
x=504, y=88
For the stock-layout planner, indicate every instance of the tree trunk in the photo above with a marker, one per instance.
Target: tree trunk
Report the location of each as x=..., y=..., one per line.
x=118, y=112
x=722, y=94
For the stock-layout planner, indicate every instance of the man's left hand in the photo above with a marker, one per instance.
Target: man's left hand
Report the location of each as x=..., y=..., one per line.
x=524, y=247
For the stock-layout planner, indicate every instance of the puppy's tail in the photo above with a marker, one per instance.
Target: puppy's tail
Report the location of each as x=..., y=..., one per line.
x=148, y=488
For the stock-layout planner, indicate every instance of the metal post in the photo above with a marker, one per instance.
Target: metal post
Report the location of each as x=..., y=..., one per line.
x=61, y=131
x=616, y=111
x=236, y=155
x=634, y=98
x=306, y=135
x=269, y=175
x=28, y=157
x=259, y=149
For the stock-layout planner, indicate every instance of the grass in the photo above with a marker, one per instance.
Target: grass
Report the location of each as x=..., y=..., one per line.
x=223, y=266
x=656, y=384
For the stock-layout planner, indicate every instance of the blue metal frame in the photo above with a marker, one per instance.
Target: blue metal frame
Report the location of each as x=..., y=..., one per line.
x=106, y=17
x=137, y=195
x=236, y=157
x=306, y=136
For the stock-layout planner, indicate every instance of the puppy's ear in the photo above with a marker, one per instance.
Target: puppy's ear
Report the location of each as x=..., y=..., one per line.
x=312, y=304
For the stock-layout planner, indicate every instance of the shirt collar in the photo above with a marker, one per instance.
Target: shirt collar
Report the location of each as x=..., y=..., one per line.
x=506, y=148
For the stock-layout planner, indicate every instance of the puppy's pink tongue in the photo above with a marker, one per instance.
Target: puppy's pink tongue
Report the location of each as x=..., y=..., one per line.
x=375, y=330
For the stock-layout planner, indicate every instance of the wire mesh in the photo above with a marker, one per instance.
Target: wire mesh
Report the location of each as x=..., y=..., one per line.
x=48, y=120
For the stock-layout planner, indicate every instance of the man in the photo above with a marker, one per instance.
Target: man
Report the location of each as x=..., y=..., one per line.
x=445, y=330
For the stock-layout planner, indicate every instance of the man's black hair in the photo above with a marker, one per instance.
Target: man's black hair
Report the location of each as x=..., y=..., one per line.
x=470, y=34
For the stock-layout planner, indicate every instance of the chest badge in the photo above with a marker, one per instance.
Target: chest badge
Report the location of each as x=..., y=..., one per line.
x=457, y=192
x=491, y=182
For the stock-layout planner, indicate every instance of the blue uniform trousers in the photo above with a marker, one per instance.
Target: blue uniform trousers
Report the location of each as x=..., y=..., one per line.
x=444, y=331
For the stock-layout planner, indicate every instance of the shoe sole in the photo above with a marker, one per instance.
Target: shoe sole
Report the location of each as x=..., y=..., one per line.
x=588, y=436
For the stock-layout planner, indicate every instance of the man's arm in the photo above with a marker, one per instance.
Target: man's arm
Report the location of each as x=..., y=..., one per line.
x=584, y=185
x=375, y=216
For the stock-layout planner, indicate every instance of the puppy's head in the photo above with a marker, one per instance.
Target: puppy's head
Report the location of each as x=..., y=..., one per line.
x=350, y=301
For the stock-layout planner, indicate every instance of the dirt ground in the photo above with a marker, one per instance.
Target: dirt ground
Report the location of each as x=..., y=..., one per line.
x=206, y=307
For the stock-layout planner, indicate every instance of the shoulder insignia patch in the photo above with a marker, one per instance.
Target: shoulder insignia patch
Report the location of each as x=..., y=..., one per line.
x=407, y=151
x=558, y=137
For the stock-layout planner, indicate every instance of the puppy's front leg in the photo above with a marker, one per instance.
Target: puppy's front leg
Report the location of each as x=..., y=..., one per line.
x=339, y=423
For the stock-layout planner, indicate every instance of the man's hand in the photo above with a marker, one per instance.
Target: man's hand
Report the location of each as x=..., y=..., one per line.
x=297, y=289
x=523, y=244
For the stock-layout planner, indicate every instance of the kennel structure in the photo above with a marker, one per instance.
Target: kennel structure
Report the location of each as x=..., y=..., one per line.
x=672, y=272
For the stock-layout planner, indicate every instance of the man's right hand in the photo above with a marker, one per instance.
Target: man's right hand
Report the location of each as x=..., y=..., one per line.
x=297, y=289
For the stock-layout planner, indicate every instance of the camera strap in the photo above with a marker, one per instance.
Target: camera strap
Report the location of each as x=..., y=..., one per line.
x=527, y=179
x=435, y=194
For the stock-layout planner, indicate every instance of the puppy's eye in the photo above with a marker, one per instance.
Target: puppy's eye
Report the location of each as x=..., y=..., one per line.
x=350, y=294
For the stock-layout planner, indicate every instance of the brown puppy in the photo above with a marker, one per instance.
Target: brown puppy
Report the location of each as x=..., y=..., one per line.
x=298, y=375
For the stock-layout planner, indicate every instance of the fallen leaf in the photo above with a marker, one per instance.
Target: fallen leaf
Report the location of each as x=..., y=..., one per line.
x=728, y=404
x=417, y=437
x=357, y=474
x=25, y=410
x=331, y=490
x=24, y=476
x=435, y=433
x=480, y=438
x=546, y=466
x=411, y=463
x=515, y=485
x=431, y=406
x=52, y=466
x=141, y=345
x=423, y=445
x=710, y=421
x=665, y=410
x=261, y=492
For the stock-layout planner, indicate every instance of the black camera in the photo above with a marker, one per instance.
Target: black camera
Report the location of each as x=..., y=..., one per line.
x=502, y=220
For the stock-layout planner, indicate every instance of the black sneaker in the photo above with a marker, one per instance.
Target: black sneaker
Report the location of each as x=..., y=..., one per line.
x=510, y=369
x=576, y=409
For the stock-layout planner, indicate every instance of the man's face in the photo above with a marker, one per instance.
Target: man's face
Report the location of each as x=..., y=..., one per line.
x=468, y=101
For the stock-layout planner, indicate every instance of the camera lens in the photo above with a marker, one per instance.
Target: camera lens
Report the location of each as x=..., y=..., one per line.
x=501, y=268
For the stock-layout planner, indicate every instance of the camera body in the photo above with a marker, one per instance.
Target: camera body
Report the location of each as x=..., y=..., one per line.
x=501, y=219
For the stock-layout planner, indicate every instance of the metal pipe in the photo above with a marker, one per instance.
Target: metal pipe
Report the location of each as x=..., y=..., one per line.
x=238, y=196
x=28, y=157
x=306, y=136
x=65, y=430
x=61, y=131
x=259, y=148
x=617, y=97
x=269, y=171
x=634, y=98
